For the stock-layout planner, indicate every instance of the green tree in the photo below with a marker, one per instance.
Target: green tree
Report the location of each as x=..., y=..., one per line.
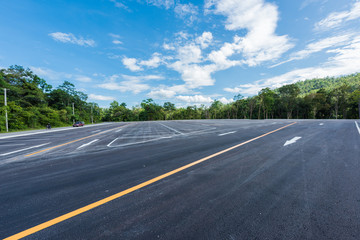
x=288, y=95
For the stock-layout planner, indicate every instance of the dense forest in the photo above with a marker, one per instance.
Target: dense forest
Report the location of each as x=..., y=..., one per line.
x=32, y=103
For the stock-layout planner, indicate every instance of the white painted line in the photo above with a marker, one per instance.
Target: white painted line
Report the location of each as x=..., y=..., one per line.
x=96, y=131
x=119, y=130
x=145, y=141
x=48, y=131
x=20, y=150
x=112, y=142
x=357, y=126
x=170, y=128
x=11, y=145
x=86, y=144
x=292, y=141
x=321, y=124
x=223, y=134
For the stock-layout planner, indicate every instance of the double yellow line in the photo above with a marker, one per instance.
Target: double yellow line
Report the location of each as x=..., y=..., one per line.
x=127, y=191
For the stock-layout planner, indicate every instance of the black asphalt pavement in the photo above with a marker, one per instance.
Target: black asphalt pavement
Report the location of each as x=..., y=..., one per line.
x=299, y=182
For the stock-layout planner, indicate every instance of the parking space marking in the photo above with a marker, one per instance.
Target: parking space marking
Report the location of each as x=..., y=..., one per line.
x=103, y=201
x=76, y=140
x=171, y=128
x=112, y=142
x=87, y=144
x=357, y=126
x=223, y=134
x=24, y=149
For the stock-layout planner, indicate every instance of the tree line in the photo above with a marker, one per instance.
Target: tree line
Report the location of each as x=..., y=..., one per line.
x=33, y=103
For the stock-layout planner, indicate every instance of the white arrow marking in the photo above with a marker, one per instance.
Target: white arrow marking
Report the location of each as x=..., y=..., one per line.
x=288, y=142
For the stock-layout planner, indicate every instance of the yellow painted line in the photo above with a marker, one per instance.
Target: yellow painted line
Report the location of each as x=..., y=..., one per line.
x=67, y=143
x=127, y=191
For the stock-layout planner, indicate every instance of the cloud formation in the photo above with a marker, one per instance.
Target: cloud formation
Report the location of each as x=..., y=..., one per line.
x=260, y=19
x=187, y=12
x=161, y=3
x=336, y=19
x=345, y=61
x=134, y=84
x=318, y=46
x=100, y=97
x=70, y=38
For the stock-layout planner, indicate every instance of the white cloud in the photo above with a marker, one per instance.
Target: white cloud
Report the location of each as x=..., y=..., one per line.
x=194, y=99
x=196, y=66
x=167, y=92
x=70, y=38
x=134, y=65
x=116, y=41
x=188, y=12
x=195, y=75
x=154, y=62
x=45, y=73
x=119, y=4
x=318, y=46
x=335, y=19
x=114, y=35
x=131, y=63
x=189, y=54
x=132, y=84
x=100, y=97
x=201, y=99
x=142, y=78
x=161, y=3
x=205, y=39
x=82, y=78
x=49, y=74
x=220, y=57
x=162, y=94
x=260, y=19
x=168, y=46
x=225, y=100
x=345, y=61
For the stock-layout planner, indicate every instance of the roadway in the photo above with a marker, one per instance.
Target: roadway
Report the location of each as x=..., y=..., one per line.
x=266, y=179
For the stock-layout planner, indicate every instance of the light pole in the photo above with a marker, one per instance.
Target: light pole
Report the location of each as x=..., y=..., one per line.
x=6, y=116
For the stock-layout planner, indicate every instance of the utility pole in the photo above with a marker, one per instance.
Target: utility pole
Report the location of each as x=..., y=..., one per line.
x=92, y=117
x=6, y=116
x=73, y=113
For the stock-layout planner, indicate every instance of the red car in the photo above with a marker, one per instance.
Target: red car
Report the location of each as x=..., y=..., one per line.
x=78, y=124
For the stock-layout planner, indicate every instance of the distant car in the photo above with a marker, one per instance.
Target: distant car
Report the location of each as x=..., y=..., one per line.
x=78, y=124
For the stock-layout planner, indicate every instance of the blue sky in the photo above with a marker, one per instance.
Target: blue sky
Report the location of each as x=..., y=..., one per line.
x=185, y=52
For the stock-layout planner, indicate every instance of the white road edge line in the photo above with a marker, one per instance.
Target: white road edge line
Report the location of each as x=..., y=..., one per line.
x=112, y=142
x=226, y=133
x=357, y=126
x=20, y=150
x=86, y=144
x=171, y=128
